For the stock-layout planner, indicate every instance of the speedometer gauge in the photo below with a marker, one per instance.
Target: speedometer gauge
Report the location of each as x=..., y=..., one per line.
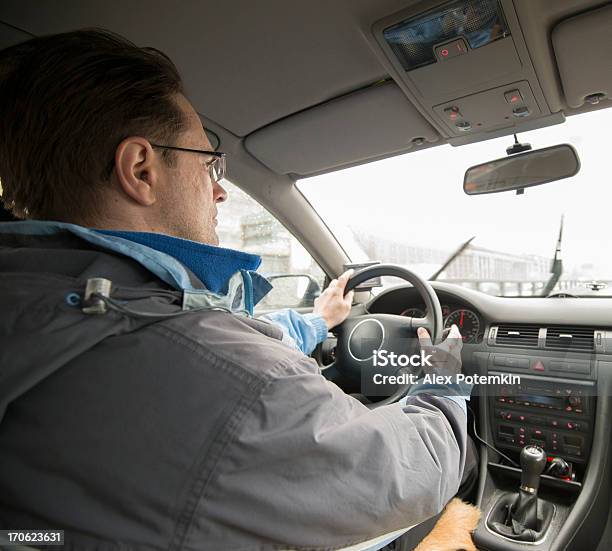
x=468, y=323
x=413, y=313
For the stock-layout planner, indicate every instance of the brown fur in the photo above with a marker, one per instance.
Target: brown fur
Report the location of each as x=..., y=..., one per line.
x=453, y=531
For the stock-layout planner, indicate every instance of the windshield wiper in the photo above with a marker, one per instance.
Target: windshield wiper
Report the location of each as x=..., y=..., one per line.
x=452, y=258
x=557, y=265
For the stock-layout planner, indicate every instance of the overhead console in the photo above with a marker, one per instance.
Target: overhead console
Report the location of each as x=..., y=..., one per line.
x=465, y=66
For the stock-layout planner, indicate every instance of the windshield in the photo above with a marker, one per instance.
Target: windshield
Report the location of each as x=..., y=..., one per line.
x=411, y=210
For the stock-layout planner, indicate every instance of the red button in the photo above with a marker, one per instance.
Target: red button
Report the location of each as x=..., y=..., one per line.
x=538, y=366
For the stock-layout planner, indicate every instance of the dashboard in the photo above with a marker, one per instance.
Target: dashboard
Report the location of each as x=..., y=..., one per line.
x=547, y=365
x=461, y=313
x=561, y=349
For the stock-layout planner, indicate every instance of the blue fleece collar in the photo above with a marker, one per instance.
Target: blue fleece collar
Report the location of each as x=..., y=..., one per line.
x=165, y=256
x=212, y=265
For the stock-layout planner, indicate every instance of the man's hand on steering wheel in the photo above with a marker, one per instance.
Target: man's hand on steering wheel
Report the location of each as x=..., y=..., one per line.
x=446, y=356
x=332, y=304
x=360, y=337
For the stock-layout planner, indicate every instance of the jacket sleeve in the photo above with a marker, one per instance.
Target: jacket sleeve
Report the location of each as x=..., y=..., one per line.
x=313, y=467
x=300, y=331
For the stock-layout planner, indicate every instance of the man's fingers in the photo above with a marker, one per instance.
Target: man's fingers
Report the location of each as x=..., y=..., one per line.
x=424, y=337
x=343, y=279
x=338, y=285
x=455, y=336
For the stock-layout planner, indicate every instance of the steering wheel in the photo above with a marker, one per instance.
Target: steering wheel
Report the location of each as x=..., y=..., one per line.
x=359, y=337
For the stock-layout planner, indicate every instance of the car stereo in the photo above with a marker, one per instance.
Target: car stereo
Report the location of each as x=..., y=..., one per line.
x=555, y=415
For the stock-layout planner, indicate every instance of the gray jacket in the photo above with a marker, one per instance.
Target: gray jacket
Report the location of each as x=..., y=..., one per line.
x=197, y=431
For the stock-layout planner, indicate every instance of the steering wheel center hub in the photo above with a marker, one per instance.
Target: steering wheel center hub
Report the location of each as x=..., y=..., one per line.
x=365, y=339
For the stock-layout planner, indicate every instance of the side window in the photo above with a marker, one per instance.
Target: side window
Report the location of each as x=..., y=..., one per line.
x=245, y=225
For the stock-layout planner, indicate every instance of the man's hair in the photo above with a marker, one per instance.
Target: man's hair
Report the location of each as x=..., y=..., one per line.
x=66, y=102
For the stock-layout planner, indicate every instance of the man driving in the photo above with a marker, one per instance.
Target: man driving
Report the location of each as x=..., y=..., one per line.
x=142, y=406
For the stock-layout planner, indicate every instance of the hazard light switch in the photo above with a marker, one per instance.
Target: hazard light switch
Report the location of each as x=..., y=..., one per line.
x=538, y=366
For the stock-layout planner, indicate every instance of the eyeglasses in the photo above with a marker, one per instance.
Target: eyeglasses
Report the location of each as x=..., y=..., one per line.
x=216, y=167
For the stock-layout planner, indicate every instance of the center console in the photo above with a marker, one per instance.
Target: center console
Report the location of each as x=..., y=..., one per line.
x=556, y=408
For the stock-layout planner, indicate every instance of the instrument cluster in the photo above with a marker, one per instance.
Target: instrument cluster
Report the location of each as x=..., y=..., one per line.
x=467, y=320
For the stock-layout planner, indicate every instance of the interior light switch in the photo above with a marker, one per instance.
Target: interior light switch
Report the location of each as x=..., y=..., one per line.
x=513, y=96
x=453, y=113
x=451, y=49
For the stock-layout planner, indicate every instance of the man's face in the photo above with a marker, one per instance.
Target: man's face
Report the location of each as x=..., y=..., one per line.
x=189, y=205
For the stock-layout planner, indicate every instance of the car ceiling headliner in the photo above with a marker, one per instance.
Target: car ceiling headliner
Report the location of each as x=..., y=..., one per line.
x=248, y=64
x=232, y=53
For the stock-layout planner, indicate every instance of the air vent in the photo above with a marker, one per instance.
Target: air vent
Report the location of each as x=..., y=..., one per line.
x=570, y=337
x=518, y=334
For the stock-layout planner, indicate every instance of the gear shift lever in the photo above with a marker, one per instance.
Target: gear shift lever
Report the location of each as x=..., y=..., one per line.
x=524, y=512
x=533, y=461
x=522, y=516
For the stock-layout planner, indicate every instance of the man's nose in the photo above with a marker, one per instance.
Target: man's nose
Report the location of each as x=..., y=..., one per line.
x=219, y=193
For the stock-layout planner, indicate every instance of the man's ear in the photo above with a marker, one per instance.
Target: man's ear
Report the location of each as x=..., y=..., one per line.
x=138, y=170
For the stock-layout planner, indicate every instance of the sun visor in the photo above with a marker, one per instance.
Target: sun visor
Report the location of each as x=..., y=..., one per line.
x=583, y=48
x=367, y=124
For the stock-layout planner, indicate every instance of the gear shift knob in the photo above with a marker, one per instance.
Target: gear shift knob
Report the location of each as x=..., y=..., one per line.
x=533, y=461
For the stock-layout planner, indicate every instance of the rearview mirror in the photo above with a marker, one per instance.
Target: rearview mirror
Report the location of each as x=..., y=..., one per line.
x=522, y=170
